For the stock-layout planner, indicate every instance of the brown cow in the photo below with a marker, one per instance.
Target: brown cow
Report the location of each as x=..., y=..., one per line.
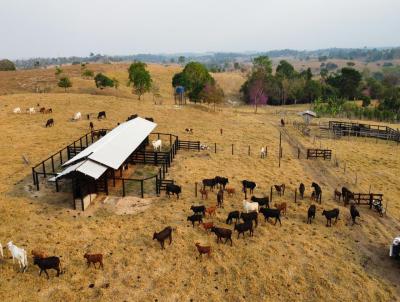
x=203, y=249
x=94, y=258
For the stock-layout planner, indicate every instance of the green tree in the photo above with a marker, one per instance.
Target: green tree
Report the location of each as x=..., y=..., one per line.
x=6, y=65
x=87, y=73
x=103, y=81
x=194, y=77
x=262, y=64
x=236, y=65
x=181, y=60
x=285, y=70
x=347, y=81
x=140, y=78
x=65, y=83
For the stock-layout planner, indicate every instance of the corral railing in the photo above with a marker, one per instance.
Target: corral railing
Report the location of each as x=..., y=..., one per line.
x=364, y=130
x=319, y=153
x=366, y=198
x=189, y=145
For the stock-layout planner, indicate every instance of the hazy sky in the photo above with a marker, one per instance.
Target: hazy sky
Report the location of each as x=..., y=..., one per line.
x=31, y=28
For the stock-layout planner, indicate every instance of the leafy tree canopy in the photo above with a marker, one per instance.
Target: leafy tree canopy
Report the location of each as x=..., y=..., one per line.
x=6, y=65
x=103, y=81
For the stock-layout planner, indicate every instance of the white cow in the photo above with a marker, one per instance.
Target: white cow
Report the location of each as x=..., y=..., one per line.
x=77, y=116
x=1, y=251
x=204, y=147
x=250, y=206
x=263, y=152
x=17, y=110
x=30, y=110
x=157, y=145
x=19, y=254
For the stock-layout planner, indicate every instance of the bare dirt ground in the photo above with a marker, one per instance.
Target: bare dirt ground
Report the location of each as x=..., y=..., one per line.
x=292, y=262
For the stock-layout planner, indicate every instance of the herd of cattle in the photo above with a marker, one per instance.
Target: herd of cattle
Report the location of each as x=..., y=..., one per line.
x=247, y=219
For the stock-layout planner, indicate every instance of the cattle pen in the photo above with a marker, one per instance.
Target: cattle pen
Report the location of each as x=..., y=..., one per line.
x=90, y=175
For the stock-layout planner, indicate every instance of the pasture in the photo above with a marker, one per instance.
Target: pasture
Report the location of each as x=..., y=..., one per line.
x=292, y=262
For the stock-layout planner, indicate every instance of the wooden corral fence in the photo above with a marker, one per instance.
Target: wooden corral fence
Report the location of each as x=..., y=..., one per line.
x=319, y=153
x=189, y=145
x=364, y=130
x=366, y=198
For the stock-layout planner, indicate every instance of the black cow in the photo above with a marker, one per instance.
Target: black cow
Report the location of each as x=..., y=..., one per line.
x=241, y=228
x=271, y=213
x=329, y=215
x=48, y=263
x=262, y=201
x=222, y=181
x=193, y=218
x=222, y=233
x=174, y=189
x=311, y=213
x=318, y=192
x=354, y=213
x=209, y=183
x=163, y=235
x=50, y=123
x=101, y=114
x=347, y=194
x=302, y=189
x=198, y=209
x=248, y=185
x=150, y=119
x=131, y=117
x=220, y=198
x=91, y=126
x=232, y=215
x=250, y=217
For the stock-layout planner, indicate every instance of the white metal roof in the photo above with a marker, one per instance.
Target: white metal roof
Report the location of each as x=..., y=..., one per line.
x=110, y=151
x=115, y=147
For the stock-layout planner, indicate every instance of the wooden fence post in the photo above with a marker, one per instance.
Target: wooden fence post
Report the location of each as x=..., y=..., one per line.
x=141, y=188
x=295, y=195
x=232, y=149
x=298, y=153
x=34, y=176
x=266, y=151
x=249, y=150
x=195, y=189
x=215, y=147
x=270, y=195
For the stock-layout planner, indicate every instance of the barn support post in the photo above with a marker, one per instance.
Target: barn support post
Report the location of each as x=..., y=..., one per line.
x=141, y=188
x=61, y=159
x=37, y=181
x=123, y=187
x=52, y=163
x=44, y=169
x=33, y=175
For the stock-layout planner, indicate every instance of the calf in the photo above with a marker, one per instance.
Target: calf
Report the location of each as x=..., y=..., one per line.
x=77, y=116
x=230, y=191
x=101, y=114
x=232, y=215
x=302, y=189
x=199, y=209
x=262, y=201
x=271, y=213
x=248, y=185
x=19, y=254
x=164, y=234
x=280, y=189
x=38, y=254
x=209, y=183
x=157, y=145
x=337, y=194
x=220, y=198
x=211, y=211
x=189, y=130
x=94, y=258
x=318, y=192
x=203, y=249
x=195, y=217
x=253, y=216
x=241, y=228
x=50, y=123
x=282, y=207
x=174, y=189
x=354, y=213
x=48, y=111
x=48, y=263
x=222, y=233
x=17, y=110
x=30, y=110
x=311, y=213
x=207, y=225
x=204, y=193
x=42, y=110
x=329, y=215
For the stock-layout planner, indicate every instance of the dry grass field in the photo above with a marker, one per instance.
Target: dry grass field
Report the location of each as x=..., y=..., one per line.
x=292, y=262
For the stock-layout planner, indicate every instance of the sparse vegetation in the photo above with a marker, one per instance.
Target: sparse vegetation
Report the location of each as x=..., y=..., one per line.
x=6, y=65
x=102, y=81
x=65, y=83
